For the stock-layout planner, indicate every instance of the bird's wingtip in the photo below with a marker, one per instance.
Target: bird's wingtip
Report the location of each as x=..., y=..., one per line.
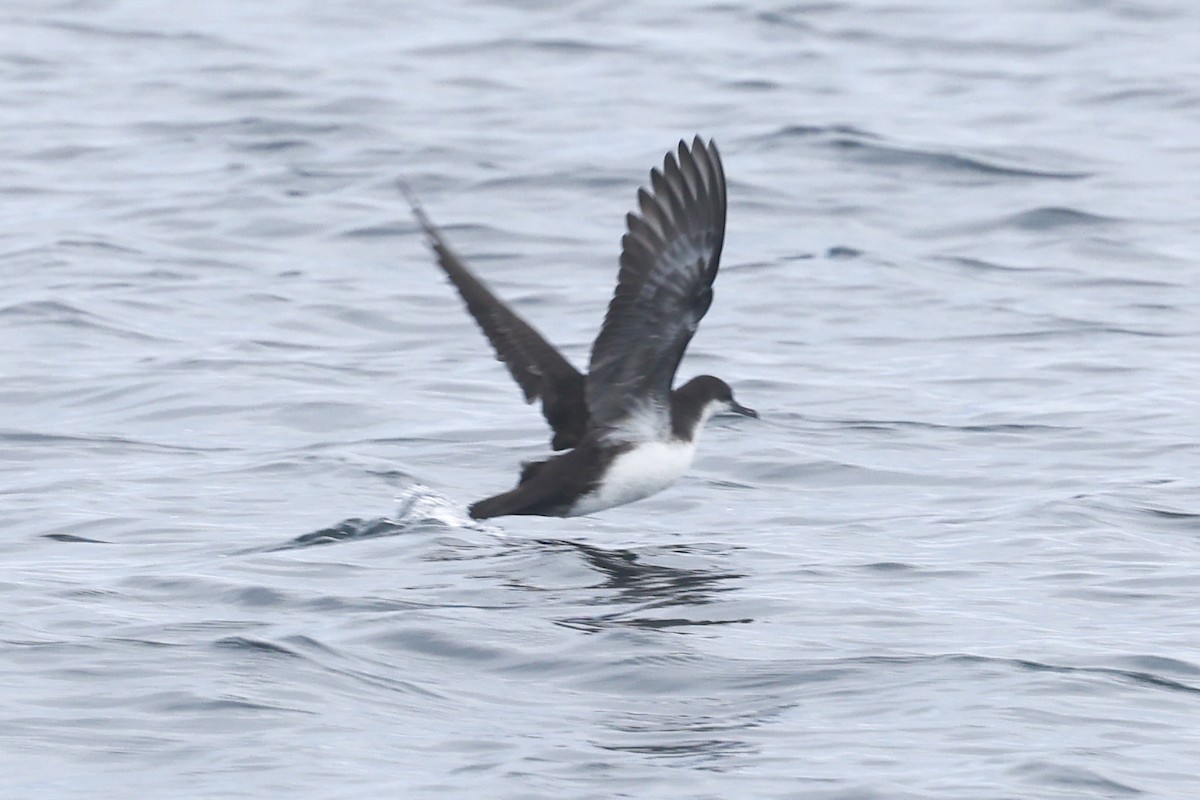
x=418, y=211
x=409, y=195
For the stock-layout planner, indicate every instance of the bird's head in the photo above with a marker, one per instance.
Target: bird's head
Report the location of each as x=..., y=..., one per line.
x=700, y=398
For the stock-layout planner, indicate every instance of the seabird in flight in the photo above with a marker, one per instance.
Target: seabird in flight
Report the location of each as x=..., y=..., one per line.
x=627, y=433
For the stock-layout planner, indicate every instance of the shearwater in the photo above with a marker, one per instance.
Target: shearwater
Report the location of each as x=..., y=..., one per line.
x=627, y=434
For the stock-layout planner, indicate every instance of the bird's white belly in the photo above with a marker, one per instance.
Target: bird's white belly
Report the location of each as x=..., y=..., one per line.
x=647, y=469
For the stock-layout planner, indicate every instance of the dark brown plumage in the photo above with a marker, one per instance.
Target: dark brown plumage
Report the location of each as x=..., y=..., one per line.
x=669, y=259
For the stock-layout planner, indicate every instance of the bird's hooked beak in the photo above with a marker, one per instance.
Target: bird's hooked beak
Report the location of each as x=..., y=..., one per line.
x=737, y=408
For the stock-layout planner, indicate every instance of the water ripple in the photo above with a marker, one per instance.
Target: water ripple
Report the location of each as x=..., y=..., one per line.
x=874, y=150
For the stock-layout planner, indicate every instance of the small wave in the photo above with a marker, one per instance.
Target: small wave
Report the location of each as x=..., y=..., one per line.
x=995, y=427
x=353, y=528
x=753, y=85
x=785, y=18
x=274, y=145
x=1075, y=778
x=1172, y=514
x=1146, y=672
x=70, y=537
x=1156, y=665
x=116, y=443
x=255, y=645
x=54, y=312
x=871, y=148
x=890, y=566
x=499, y=46
x=128, y=33
x=1140, y=677
x=945, y=161
x=382, y=229
x=1050, y=218
x=985, y=266
x=803, y=131
x=571, y=45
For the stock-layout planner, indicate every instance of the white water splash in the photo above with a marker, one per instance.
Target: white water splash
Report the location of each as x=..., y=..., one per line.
x=417, y=504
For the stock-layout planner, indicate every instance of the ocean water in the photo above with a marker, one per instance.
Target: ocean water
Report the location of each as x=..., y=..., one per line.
x=241, y=413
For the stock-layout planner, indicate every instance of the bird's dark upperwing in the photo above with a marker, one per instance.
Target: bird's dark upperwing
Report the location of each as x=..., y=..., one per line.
x=669, y=259
x=539, y=369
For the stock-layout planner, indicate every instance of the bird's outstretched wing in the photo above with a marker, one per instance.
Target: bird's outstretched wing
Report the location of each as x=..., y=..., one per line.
x=669, y=259
x=536, y=365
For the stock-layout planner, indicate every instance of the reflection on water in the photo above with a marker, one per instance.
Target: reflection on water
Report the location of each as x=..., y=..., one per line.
x=641, y=584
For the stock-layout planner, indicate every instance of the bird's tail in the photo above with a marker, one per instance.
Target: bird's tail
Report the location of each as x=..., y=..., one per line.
x=513, y=502
x=530, y=497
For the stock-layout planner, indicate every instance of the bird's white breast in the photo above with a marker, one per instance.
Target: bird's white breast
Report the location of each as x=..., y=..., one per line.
x=646, y=469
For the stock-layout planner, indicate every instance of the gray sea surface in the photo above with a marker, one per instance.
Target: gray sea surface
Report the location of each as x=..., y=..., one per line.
x=242, y=413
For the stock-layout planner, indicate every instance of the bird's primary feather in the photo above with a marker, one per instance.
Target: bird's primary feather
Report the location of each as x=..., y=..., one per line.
x=669, y=259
